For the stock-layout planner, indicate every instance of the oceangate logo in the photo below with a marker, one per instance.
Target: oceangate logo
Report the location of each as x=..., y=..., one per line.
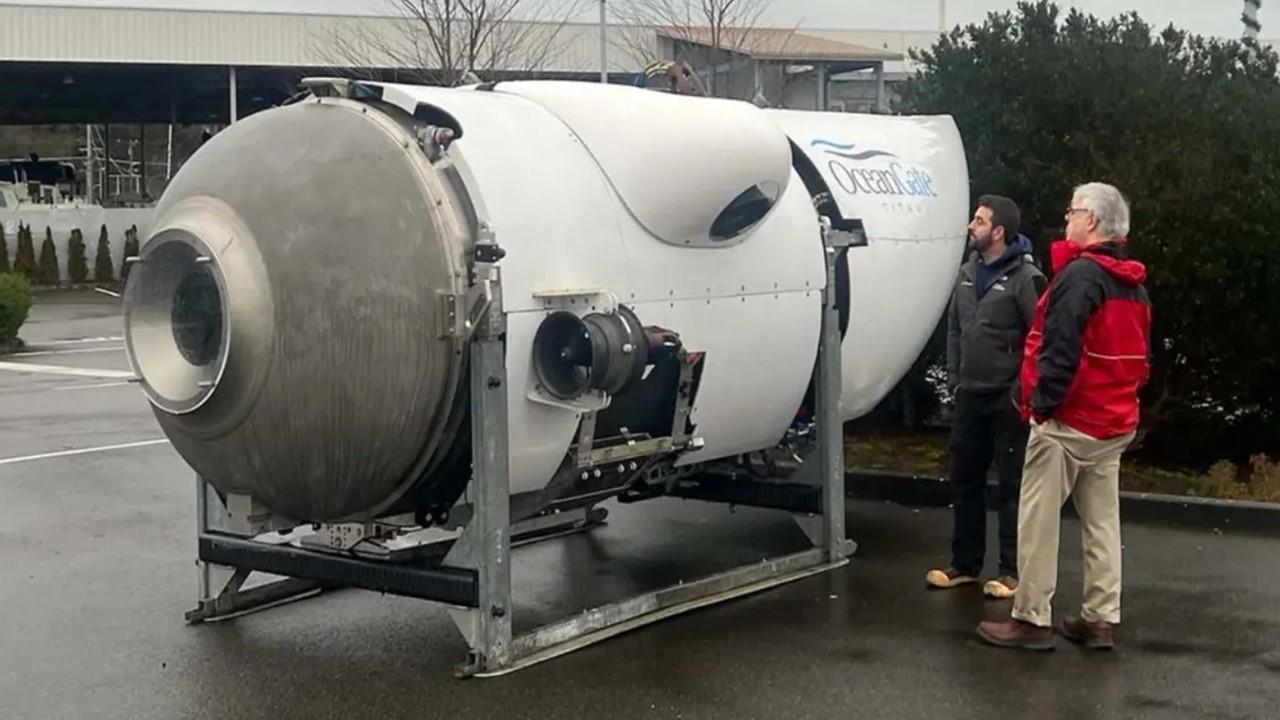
x=875, y=172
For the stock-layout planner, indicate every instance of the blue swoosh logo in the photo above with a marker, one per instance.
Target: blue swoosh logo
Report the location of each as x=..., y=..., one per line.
x=837, y=147
x=864, y=155
x=831, y=144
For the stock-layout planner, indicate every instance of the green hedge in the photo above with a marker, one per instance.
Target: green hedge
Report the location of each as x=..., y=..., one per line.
x=1188, y=128
x=15, y=303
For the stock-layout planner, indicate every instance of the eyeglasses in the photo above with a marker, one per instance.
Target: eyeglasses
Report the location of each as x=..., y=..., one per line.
x=1071, y=211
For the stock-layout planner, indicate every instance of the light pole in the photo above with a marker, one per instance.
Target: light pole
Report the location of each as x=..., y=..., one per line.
x=1250, y=18
x=604, y=44
x=942, y=16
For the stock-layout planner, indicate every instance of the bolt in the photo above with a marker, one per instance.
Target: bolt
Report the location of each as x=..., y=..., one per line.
x=628, y=348
x=498, y=611
x=494, y=382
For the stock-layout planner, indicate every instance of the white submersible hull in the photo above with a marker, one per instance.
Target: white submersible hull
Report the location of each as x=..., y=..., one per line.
x=298, y=317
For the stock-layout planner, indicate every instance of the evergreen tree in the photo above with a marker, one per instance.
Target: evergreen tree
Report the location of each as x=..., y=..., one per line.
x=4, y=251
x=77, y=265
x=24, y=263
x=48, y=271
x=103, y=270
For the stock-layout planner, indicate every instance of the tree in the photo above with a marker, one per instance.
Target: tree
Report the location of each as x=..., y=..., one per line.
x=714, y=37
x=456, y=42
x=1189, y=129
x=103, y=270
x=24, y=262
x=48, y=260
x=130, y=250
x=4, y=251
x=77, y=265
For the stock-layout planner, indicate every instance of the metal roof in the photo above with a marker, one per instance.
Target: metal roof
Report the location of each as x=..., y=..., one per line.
x=117, y=64
x=91, y=34
x=783, y=45
x=45, y=33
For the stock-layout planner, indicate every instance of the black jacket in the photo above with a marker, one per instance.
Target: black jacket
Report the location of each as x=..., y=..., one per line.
x=986, y=327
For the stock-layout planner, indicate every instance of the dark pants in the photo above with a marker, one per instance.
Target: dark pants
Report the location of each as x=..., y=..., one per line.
x=985, y=427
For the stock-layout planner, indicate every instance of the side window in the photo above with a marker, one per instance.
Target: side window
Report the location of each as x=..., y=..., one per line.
x=743, y=212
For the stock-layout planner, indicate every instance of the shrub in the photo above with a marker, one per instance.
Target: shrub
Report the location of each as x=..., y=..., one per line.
x=103, y=270
x=1264, y=478
x=1180, y=123
x=4, y=251
x=77, y=265
x=24, y=263
x=1222, y=481
x=15, y=302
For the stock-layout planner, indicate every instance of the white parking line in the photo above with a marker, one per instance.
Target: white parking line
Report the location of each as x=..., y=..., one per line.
x=75, y=351
x=93, y=386
x=81, y=451
x=81, y=341
x=65, y=370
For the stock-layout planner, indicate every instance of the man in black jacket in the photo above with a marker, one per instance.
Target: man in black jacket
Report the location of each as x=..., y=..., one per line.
x=990, y=315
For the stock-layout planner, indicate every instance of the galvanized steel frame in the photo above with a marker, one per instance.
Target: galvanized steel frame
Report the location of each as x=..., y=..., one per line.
x=495, y=651
x=484, y=546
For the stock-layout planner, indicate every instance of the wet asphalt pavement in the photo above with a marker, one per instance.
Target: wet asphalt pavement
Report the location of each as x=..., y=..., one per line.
x=97, y=567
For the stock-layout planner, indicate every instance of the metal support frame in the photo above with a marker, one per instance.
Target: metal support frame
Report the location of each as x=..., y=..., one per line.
x=488, y=627
x=881, y=98
x=824, y=86
x=604, y=43
x=474, y=580
x=830, y=387
x=88, y=163
x=234, y=99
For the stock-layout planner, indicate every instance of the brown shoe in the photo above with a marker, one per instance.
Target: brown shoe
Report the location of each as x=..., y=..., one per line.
x=1014, y=633
x=1097, y=635
x=948, y=578
x=1002, y=588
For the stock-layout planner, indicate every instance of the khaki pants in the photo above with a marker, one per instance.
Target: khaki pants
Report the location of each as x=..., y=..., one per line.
x=1063, y=462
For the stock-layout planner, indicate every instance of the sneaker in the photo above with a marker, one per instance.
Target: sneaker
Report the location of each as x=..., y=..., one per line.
x=1015, y=633
x=949, y=578
x=1001, y=588
x=1097, y=635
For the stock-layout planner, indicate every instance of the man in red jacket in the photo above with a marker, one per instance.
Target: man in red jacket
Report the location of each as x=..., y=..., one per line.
x=1084, y=361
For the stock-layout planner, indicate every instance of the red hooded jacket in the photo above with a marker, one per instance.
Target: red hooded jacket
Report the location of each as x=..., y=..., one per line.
x=1088, y=350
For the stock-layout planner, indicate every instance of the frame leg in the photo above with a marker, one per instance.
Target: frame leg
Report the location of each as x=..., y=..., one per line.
x=830, y=387
x=485, y=544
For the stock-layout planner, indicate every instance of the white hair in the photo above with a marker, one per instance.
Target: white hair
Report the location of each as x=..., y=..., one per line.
x=1106, y=204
